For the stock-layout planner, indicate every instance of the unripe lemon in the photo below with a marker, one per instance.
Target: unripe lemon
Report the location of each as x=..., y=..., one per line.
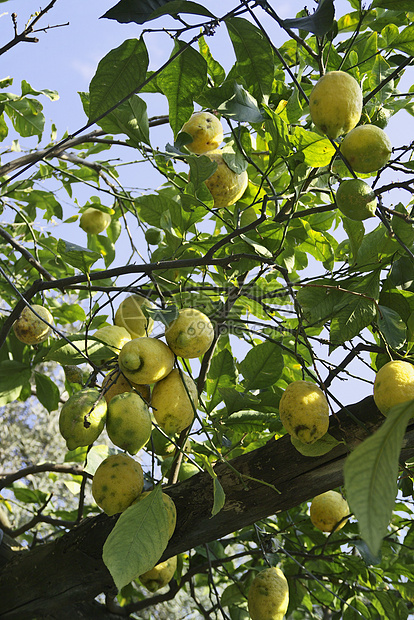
x=268, y=596
x=335, y=103
x=190, y=334
x=29, y=328
x=117, y=482
x=356, y=200
x=206, y=131
x=169, y=507
x=128, y=422
x=115, y=383
x=153, y=236
x=82, y=418
x=304, y=411
x=160, y=575
x=327, y=510
x=113, y=336
x=130, y=316
x=394, y=384
x=224, y=185
x=367, y=148
x=174, y=400
x=94, y=221
x=146, y=360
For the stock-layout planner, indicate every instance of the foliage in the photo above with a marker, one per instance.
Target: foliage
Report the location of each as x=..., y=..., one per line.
x=295, y=285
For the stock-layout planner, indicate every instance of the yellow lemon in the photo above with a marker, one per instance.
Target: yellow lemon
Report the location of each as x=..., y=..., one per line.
x=170, y=510
x=160, y=575
x=130, y=316
x=356, y=199
x=117, y=482
x=174, y=400
x=31, y=329
x=224, y=185
x=94, y=221
x=206, y=131
x=145, y=360
x=115, y=383
x=82, y=418
x=335, y=103
x=190, y=334
x=367, y=148
x=128, y=422
x=394, y=384
x=327, y=510
x=268, y=596
x=304, y=411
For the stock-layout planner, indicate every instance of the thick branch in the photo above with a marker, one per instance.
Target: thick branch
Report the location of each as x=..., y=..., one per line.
x=76, y=557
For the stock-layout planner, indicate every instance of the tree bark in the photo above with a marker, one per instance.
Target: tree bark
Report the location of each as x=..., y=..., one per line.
x=57, y=579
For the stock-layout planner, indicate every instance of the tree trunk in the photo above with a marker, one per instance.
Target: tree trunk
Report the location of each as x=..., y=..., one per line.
x=57, y=579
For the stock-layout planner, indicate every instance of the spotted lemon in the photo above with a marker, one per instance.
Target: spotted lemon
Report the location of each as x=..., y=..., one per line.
x=82, y=418
x=31, y=328
x=367, y=148
x=225, y=185
x=206, y=131
x=115, y=383
x=304, y=411
x=160, y=575
x=190, y=334
x=268, y=596
x=117, y=482
x=128, y=422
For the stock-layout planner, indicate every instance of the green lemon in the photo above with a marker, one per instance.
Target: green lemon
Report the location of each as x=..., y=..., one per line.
x=82, y=418
x=128, y=422
x=153, y=236
x=367, y=148
x=356, y=200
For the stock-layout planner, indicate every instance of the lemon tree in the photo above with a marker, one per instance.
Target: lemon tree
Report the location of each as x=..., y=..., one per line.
x=206, y=338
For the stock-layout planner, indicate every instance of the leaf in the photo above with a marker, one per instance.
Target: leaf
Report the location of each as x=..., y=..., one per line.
x=165, y=316
x=141, y=11
x=394, y=5
x=241, y=107
x=30, y=496
x=214, y=68
x=201, y=168
x=79, y=352
x=95, y=456
x=317, y=150
x=320, y=22
x=391, y=326
x=219, y=497
x=77, y=256
x=26, y=117
x=119, y=74
x=129, y=118
x=370, y=474
x=251, y=421
x=13, y=377
x=181, y=81
x=262, y=365
x=222, y=374
x=47, y=392
x=320, y=447
x=138, y=539
x=28, y=90
x=405, y=40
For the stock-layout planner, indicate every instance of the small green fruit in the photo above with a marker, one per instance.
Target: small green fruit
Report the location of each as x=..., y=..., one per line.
x=356, y=200
x=153, y=236
x=82, y=418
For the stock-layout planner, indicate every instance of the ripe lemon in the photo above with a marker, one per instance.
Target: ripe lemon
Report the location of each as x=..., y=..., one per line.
x=206, y=131
x=145, y=360
x=327, y=510
x=169, y=507
x=128, y=422
x=367, y=148
x=114, y=337
x=224, y=185
x=117, y=482
x=82, y=418
x=160, y=575
x=356, y=200
x=115, y=383
x=30, y=329
x=130, y=316
x=304, y=411
x=268, y=596
x=94, y=221
x=335, y=103
x=190, y=334
x=174, y=400
x=394, y=384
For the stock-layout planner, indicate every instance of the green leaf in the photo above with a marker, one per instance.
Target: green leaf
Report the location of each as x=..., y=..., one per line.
x=75, y=255
x=13, y=377
x=214, y=68
x=78, y=352
x=394, y=5
x=28, y=90
x=201, y=168
x=222, y=374
x=181, y=81
x=262, y=365
x=254, y=55
x=119, y=74
x=47, y=392
x=370, y=474
x=138, y=539
x=129, y=118
x=26, y=117
x=95, y=456
x=165, y=316
x=405, y=40
x=143, y=11
x=320, y=447
x=241, y=107
x=102, y=245
x=355, y=231
x=30, y=496
x=219, y=497
x=391, y=326
x=250, y=421
x=320, y=22
x=317, y=150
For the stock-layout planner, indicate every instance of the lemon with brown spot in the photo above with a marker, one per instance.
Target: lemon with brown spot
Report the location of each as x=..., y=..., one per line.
x=393, y=385
x=82, y=418
x=225, y=185
x=130, y=316
x=160, y=575
x=328, y=511
x=304, y=411
x=128, y=422
x=145, y=360
x=190, y=334
x=268, y=596
x=117, y=482
x=32, y=329
x=206, y=131
x=174, y=401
